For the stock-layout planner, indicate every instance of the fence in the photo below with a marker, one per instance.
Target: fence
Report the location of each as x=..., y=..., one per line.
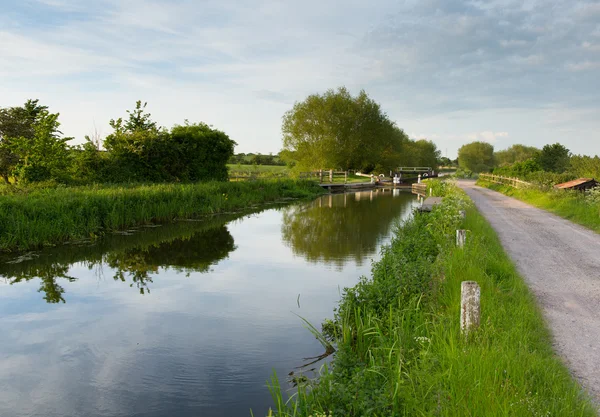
x=498, y=179
x=325, y=174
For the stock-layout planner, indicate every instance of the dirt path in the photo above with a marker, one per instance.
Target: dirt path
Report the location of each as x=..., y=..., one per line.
x=561, y=264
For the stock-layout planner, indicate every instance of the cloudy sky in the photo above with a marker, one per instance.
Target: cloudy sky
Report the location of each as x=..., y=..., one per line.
x=501, y=71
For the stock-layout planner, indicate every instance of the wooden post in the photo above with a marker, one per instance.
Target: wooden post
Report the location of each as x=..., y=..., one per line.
x=345, y=177
x=419, y=179
x=470, y=306
x=430, y=192
x=461, y=238
x=331, y=176
x=321, y=176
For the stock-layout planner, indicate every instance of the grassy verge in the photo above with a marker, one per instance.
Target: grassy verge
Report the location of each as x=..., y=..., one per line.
x=33, y=218
x=398, y=342
x=572, y=205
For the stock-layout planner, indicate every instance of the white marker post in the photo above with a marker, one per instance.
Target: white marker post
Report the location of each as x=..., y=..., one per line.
x=461, y=238
x=470, y=306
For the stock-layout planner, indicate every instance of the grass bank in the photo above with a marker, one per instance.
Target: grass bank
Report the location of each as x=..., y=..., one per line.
x=572, y=205
x=31, y=218
x=399, y=350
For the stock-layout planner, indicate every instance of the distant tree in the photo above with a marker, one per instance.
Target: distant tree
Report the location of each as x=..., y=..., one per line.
x=424, y=153
x=476, y=157
x=585, y=166
x=445, y=162
x=554, y=158
x=516, y=153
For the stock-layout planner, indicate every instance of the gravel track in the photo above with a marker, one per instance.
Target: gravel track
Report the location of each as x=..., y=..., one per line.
x=560, y=262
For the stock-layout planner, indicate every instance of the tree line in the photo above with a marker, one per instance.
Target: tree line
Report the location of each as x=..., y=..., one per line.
x=340, y=131
x=33, y=149
x=551, y=164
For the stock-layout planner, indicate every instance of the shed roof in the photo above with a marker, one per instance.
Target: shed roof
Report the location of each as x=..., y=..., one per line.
x=574, y=183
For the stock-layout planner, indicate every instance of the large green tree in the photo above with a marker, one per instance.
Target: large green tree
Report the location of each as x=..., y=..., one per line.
x=338, y=130
x=476, y=156
x=554, y=158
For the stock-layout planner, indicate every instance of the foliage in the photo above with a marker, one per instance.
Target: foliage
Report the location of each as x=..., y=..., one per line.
x=337, y=130
x=423, y=153
x=18, y=125
x=516, y=153
x=31, y=218
x=256, y=159
x=554, y=158
x=399, y=348
x=519, y=169
x=476, y=157
x=140, y=151
x=584, y=166
x=45, y=154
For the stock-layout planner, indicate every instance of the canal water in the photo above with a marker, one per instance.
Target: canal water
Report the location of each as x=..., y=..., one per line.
x=188, y=319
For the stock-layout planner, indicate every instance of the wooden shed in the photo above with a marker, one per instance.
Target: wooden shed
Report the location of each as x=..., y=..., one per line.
x=578, y=184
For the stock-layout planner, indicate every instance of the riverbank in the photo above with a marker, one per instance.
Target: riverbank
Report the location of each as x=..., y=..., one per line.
x=32, y=218
x=399, y=347
x=571, y=205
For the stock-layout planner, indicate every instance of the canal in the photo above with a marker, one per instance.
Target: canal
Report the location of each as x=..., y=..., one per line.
x=187, y=319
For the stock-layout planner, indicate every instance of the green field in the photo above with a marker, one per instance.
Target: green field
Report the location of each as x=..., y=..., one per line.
x=399, y=348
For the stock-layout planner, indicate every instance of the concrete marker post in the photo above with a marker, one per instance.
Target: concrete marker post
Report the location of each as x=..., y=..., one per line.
x=461, y=238
x=470, y=306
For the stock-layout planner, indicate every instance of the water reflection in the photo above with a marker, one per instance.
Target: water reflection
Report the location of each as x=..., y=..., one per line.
x=336, y=228
x=209, y=335
x=134, y=256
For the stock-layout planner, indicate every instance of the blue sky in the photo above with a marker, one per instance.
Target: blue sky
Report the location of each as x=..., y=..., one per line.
x=501, y=71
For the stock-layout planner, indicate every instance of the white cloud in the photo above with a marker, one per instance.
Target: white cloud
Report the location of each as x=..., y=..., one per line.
x=239, y=65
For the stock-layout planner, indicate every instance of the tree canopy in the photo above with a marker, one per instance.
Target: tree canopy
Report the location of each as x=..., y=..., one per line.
x=338, y=130
x=516, y=153
x=476, y=157
x=554, y=158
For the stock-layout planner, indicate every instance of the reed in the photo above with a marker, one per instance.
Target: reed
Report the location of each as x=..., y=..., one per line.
x=31, y=218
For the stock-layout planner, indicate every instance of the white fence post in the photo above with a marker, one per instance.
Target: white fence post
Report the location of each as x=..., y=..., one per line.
x=470, y=306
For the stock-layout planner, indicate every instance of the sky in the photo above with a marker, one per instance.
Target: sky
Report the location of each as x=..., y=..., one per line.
x=499, y=71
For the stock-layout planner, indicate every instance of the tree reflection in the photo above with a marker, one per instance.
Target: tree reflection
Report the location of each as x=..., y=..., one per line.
x=195, y=254
x=339, y=227
x=137, y=259
x=49, y=275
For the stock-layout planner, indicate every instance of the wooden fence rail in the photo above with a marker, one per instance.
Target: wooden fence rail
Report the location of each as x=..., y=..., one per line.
x=322, y=175
x=498, y=179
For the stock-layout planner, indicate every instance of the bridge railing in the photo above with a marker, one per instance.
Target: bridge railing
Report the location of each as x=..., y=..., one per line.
x=499, y=179
x=415, y=169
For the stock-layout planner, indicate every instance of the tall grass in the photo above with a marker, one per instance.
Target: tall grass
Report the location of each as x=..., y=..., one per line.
x=36, y=217
x=399, y=347
x=571, y=205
